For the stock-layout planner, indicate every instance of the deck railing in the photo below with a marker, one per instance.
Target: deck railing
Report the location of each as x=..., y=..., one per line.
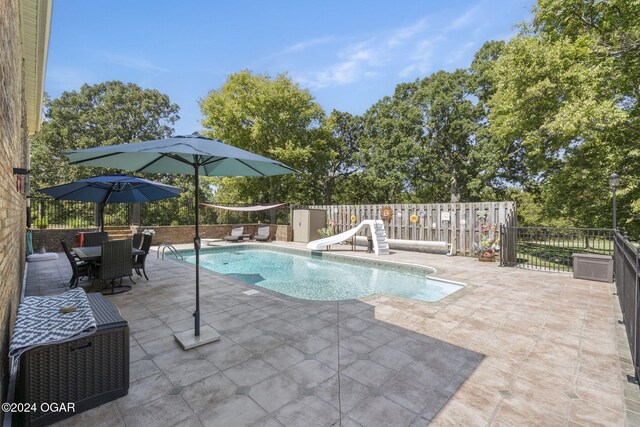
x=50, y=213
x=627, y=278
x=550, y=248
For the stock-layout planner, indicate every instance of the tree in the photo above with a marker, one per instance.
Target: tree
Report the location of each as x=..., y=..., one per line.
x=449, y=126
x=275, y=118
x=418, y=143
x=565, y=107
x=103, y=114
x=390, y=147
x=343, y=144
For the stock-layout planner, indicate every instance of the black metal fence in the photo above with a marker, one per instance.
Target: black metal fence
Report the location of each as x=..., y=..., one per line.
x=627, y=277
x=49, y=213
x=550, y=248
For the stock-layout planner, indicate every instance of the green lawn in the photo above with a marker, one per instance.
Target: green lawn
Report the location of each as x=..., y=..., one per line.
x=556, y=254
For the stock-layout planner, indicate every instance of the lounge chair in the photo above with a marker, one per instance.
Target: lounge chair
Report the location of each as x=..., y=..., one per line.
x=79, y=268
x=236, y=234
x=138, y=261
x=263, y=233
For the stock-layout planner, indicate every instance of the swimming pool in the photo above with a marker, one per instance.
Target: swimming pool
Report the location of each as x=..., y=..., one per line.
x=312, y=276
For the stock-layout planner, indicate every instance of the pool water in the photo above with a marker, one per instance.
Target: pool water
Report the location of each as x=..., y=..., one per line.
x=314, y=278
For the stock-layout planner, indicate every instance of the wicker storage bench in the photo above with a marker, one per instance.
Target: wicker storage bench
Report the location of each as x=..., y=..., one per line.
x=88, y=372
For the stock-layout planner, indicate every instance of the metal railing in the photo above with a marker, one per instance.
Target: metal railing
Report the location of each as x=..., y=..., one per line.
x=50, y=213
x=550, y=248
x=627, y=278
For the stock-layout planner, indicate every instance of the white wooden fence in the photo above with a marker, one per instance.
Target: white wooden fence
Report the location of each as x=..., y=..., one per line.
x=455, y=223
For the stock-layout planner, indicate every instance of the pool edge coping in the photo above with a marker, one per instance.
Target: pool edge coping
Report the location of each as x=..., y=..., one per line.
x=365, y=260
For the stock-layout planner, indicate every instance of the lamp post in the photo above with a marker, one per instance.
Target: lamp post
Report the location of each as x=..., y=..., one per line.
x=614, y=180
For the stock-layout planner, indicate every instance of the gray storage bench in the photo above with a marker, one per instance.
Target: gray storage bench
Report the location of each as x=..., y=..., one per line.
x=88, y=372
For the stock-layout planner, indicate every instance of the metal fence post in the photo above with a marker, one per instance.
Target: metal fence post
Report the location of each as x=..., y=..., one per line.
x=635, y=313
x=502, y=244
x=96, y=214
x=135, y=214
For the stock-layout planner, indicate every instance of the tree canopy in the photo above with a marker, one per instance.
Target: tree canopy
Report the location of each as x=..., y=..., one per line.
x=565, y=108
x=275, y=118
x=103, y=114
x=543, y=119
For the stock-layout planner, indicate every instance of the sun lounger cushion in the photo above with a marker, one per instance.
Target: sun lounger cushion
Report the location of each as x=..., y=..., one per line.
x=263, y=233
x=236, y=234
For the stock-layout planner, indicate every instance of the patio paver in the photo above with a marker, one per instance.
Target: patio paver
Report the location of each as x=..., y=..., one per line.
x=515, y=347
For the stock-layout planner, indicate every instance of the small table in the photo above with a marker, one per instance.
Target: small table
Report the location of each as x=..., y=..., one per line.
x=94, y=253
x=246, y=236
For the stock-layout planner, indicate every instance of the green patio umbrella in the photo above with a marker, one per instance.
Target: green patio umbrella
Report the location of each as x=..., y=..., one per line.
x=192, y=155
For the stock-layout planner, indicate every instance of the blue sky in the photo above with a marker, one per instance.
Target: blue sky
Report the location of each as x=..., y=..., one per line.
x=349, y=54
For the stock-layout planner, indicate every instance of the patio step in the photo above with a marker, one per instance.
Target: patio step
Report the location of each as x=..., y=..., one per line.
x=117, y=233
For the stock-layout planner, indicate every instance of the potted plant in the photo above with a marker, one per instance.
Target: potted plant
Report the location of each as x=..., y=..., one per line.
x=326, y=231
x=486, y=249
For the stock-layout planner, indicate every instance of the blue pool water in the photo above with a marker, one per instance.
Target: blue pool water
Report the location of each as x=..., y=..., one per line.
x=314, y=278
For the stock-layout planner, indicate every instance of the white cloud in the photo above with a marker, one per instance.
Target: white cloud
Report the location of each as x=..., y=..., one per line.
x=64, y=78
x=465, y=19
x=129, y=61
x=363, y=59
x=401, y=35
x=303, y=45
x=421, y=57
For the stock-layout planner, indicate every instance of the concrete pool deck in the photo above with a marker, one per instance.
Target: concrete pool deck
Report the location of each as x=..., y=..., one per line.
x=514, y=348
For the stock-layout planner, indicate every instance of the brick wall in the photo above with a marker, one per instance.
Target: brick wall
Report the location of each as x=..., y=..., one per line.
x=283, y=233
x=13, y=154
x=184, y=233
x=50, y=238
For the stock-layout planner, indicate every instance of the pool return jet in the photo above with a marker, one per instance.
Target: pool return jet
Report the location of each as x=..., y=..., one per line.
x=380, y=244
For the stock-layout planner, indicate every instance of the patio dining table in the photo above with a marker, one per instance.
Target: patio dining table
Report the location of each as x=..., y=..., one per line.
x=94, y=253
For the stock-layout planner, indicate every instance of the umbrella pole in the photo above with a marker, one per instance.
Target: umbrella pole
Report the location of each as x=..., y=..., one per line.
x=102, y=217
x=196, y=244
x=186, y=339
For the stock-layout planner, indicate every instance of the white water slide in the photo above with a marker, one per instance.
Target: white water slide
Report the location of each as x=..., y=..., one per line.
x=380, y=245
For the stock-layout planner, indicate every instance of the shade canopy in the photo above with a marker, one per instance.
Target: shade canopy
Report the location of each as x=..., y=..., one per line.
x=112, y=189
x=178, y=155
x=256, y=208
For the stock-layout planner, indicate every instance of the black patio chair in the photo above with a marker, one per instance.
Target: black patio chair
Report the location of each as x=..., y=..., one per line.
x=139, y=260
x=115, y=263
x=95, y=239
x=79, y=268
x=137, y=240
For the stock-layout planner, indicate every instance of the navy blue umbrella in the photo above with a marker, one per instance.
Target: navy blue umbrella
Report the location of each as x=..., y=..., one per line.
x=112, y=189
